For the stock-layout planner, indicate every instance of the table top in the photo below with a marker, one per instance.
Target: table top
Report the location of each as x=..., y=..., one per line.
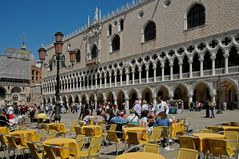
x=134, y=128
x=230, y=127
x=137, y=155
x=22, y=132
x=91, y=126
x=208, y=135
x=59, y=141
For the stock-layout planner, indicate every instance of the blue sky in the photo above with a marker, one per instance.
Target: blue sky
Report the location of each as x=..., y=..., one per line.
x=40, y=19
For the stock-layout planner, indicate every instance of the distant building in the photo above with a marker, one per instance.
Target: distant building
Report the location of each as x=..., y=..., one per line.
x=177, y=49
x=36, y=84
x=15, y=75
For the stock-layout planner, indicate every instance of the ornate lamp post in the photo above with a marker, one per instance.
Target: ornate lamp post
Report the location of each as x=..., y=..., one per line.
x=217, y=85
x=58, y=58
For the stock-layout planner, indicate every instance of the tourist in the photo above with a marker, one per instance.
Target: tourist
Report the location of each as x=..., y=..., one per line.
x=161, y=106
x=162, y=120
x=132, y=118
x=144, y=119
x=137, y=108
x=207, y=107
x=212, y=106
x=145, y=106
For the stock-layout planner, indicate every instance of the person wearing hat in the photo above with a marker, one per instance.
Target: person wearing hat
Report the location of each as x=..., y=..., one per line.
x=137, y=108
x=145, y=106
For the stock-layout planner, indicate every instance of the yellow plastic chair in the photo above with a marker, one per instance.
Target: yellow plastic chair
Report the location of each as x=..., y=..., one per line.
x=13, y=146
x=88, y=132
x=72, y=128
x=34, y=150
x=4, y=143
x=184, y=153
x=93, y=149
x=112, y=138
x=133, y=138
x=218, y=148
x=215, y=129
x=41, y=135
x=187, y=142
x=50, y=152
x=153, y=148
x=113, y=127
x=156, y=134
x=232, y=140
x=51, y=134
x=205, y=131
x=80, y=139
x=78, y=130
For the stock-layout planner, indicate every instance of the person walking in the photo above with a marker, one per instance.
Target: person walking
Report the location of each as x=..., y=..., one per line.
x=207, y=108
x=212, y=108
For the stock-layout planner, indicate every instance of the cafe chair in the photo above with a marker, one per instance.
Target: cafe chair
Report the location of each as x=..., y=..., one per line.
x=13, y=146
x=50, y=151
x=205, y=131
x=92, y=150
x=78, y=130
x=153, y=148
x=41, y=135
x=187, y=142
x=218, y=148
x=232, y=140
x=113, y=127
x=156, y=135
x=184, y=153
x=72, y=128
x=88, y=132
x=34, y=150
x=4, y=144
x=80, y=139
x=215, y=129
x=51, y=134
x=112, y=138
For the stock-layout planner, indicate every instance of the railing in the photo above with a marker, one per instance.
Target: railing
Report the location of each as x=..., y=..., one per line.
x=208, y=73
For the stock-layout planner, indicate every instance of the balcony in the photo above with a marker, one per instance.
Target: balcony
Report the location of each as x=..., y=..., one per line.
x=92, y=62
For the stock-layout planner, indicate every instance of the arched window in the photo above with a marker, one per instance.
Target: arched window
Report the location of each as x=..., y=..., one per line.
x=109, y=29
x=94, y=52
x=116, y=43
x=121, y=24
x=78, y=56
x=150, y=31
x=196, y=16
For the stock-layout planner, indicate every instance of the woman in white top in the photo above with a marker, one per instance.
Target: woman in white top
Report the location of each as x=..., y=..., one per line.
x=132, y=118
x=144, y=120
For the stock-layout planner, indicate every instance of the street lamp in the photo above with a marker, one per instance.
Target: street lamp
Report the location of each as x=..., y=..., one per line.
x=217, y=85
x=58, y=58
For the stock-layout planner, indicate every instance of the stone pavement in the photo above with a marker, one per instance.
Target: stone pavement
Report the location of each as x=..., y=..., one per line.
x=196, y=121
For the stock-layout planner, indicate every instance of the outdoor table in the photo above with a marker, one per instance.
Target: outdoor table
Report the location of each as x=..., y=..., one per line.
x=141, y=130
x=4, y=130
x=231, y=128
x=69, y=146
x=24, y=136
x=177, y=128
x=60, y=127
x=203, y=147
x=137, y=155
x=96, y=130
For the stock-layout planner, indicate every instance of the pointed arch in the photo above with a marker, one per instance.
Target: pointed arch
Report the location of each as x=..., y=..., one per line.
x=150, y=31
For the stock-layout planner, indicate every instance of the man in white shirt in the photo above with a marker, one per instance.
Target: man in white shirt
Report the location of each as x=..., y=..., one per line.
x=145, y=106
x=137, y=107
x=161, y=106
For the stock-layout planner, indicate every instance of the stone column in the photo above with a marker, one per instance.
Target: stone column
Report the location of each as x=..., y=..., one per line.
x=226, y=55
x=140, y=70
x=147, y=72
x=162, y=67
x=105, y=79
x=127, y=75
x=80, y=82
x=190, y=61
x=121, y=74
x=115, y=74
x=180, y=68
x=73, y=83
x=96, y=85
x=171, y=70
x=155, y=73
x=213, y=58
x=100, y=80
x=110, y=75
x=92, y=79
x=133, y=74
x=201, y=59
x=115, y=101
x=77, y=83
x=127, y=105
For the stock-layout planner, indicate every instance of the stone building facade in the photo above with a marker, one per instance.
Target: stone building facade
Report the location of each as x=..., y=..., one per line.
x=178, y=49
x=15, y=76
